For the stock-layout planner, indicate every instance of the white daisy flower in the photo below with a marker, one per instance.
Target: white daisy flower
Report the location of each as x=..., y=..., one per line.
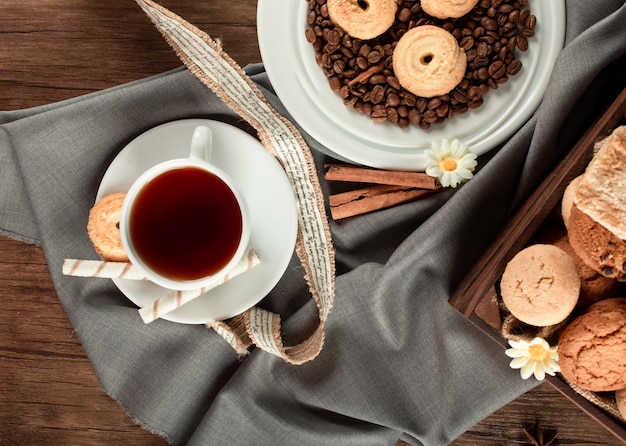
x=451, y=162
x=534, y=357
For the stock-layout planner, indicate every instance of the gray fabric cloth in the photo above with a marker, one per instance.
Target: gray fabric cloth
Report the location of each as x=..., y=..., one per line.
x=398, y=360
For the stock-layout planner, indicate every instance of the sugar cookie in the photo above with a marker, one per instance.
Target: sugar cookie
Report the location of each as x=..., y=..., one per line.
x=448, y=9
x=104, y=227
x=363, y=19
x=428, y=61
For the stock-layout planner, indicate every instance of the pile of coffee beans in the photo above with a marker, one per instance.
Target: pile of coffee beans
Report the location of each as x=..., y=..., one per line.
x=361, y=71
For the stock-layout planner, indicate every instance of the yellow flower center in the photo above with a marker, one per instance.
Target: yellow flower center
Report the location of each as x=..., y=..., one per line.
x=448, y=164
x=538, y=352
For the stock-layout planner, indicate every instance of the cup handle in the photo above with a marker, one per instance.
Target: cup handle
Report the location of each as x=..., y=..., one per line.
x=201, y=143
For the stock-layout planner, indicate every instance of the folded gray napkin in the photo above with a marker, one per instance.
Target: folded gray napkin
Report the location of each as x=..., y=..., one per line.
x=398, y=360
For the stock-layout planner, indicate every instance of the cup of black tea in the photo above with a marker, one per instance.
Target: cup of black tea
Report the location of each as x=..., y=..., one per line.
x=184, y=223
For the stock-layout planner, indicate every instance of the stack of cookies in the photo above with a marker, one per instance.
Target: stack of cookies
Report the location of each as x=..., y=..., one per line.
x=568, y=284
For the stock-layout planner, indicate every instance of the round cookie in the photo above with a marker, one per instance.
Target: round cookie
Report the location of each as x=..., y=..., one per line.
x=598, y=247
x=363, y=19
x=445, y=9
x=428, y=61
x=568, y=199
x=104, y=230
x=540, y=285
x=592, y=348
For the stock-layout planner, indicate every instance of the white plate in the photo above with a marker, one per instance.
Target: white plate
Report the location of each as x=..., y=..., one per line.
x=268, y=193
x=302, y=87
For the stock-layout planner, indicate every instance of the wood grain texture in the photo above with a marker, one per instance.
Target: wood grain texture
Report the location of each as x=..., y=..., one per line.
x=59, y=49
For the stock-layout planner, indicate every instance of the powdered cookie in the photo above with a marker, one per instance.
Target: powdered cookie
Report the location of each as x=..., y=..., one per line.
x=104, y=227
x=363, y=19
x=445, y=9
x=592, y=348
x=540, y=285
x=601, y=193
x=428, y=61
x=598, y=247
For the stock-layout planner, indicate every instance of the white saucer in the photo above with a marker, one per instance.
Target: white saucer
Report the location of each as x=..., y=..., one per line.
x=302, y=87
x=268, y=192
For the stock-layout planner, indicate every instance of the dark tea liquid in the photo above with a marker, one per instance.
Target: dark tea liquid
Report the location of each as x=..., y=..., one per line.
x=186, y=224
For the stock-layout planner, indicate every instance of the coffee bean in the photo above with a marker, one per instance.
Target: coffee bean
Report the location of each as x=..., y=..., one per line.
x=459, y=96
x=528, y=33
x=442, y=110
x=339, y=66
x=378, y=79
x=392, y=115
x=373, y=57
x=333, y=37
x=483, y=74
x=310, y=36
x=502, y=54
x=523, y=17
x=482, y=49
x=404, y=15
x=474, y=92
x=514, y=67
x=420, y=104
x=433, y=103
x=429, y=116
x=379, y=113
x=393, y=82
x=393, y=100
x=522, y=43
x=362, y=63
x=377, y=94
x=475, y=103
x=481, y=61
x=467, y=43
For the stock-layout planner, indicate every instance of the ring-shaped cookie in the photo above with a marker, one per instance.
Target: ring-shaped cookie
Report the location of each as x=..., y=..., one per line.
x=363, y=19
x=104, y=227
x=448, y=9
x=428, y=61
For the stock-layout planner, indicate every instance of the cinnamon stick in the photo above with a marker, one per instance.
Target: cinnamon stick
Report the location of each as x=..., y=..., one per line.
x=340, y=172
x=373, y=198
x=365, y=75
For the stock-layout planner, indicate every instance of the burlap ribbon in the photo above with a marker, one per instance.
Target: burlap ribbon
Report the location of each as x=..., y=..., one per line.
x=205, y=58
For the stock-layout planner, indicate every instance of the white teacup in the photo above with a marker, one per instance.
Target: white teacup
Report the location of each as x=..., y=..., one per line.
x=184, y=223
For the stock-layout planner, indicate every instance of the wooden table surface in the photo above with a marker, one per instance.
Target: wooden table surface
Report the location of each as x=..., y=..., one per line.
x=58, y=49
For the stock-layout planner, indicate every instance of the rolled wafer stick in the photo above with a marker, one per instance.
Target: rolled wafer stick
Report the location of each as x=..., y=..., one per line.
x=101, y=268
x=176, y=299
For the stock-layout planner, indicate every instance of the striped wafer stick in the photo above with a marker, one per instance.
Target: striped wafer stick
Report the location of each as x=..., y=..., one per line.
x=176, y=299
x=101, y=268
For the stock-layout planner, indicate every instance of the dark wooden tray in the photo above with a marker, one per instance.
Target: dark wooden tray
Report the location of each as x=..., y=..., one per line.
x=475, y=297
